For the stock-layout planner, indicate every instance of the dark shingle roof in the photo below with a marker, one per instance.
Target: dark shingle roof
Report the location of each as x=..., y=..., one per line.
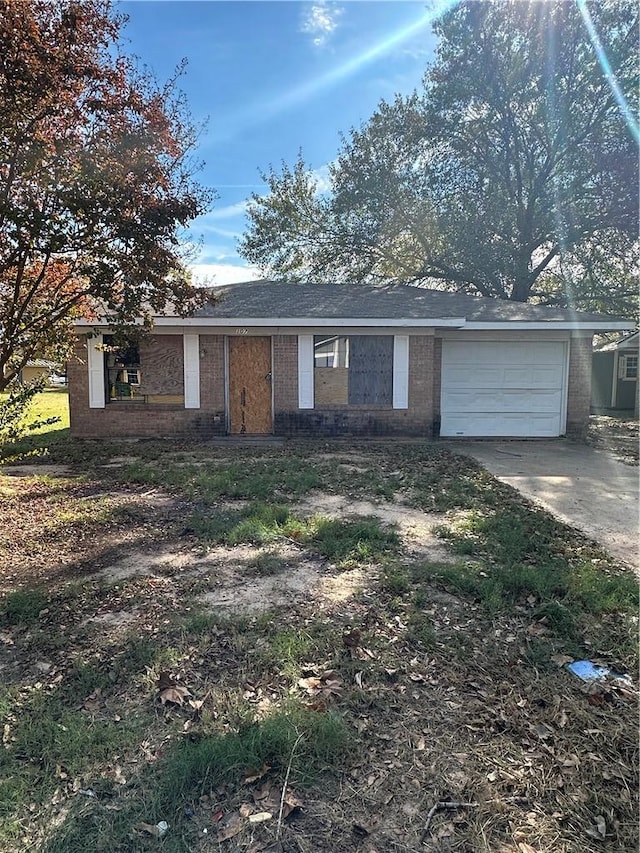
x=276, y=300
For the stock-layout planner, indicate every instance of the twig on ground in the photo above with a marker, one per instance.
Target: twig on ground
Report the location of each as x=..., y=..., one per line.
x=442, y=806
x=290, y=539
x=284, y=787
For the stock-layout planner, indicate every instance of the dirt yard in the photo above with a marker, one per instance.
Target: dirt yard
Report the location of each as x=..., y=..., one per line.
x=618, y=436
x=351, y=648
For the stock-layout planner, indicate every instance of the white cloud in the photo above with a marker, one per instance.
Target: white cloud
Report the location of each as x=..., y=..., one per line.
x=322, y=179
x=218, y=274
x=228, y=212
x=320, y=20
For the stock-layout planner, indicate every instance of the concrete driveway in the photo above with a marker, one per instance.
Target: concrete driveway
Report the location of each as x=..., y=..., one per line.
x=583, y=487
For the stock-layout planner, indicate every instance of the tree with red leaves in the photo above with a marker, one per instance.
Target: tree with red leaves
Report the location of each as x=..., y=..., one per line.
x=96, y=180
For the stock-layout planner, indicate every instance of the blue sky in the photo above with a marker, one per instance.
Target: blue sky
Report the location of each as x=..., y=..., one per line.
x=272, y=78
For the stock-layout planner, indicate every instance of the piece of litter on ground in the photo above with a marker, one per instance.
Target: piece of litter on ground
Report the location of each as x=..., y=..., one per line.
x=588, y=671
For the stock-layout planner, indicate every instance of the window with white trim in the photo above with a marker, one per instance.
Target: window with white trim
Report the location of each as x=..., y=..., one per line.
x=354, y=370
x=628, y=367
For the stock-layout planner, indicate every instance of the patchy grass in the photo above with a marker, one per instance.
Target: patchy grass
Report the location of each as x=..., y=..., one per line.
x=23, y=606
x=304, y=743
x=349, y=542
x=50, y=403
x=396, y=681
x=267, y=564
x=519, y=554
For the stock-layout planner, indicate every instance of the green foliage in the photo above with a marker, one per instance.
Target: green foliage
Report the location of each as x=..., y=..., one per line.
x=245, y=479
x=345, y=542
x=420, y=631
x=509, y=174
x=394, y=580
x=310, y=742
x=15, y=408
x=359, y=541
x=192, y=769
x=94, y=219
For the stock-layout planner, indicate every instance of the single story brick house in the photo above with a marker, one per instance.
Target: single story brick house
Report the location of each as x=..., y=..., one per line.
x=335, y=359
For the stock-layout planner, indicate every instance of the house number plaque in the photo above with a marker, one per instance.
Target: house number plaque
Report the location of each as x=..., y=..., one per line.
x=242, y=331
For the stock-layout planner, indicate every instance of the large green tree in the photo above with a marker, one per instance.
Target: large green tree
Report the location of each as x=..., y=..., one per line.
x=96, y=179
x=512, y=173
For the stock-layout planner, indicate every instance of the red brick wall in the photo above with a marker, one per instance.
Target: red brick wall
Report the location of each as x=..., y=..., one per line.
x=128, y=418
x=579, y=385
x=353, y=420
x=285, y=373
x=165, y=352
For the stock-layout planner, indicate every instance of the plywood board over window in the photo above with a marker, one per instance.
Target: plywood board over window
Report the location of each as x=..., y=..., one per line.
x=250, y=386
x=370, y=370
x=353, y=371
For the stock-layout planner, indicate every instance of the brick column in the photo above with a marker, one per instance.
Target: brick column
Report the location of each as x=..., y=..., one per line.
x=579, y=390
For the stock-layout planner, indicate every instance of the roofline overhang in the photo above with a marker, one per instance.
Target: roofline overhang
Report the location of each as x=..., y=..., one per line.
x=540, y=325
x=375, y=323
x=296, y=322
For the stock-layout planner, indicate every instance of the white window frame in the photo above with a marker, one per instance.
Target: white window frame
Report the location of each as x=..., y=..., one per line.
x=623, y=367
x=191, y=351
x=306, y=364
x=96, y=372
x=400, y=371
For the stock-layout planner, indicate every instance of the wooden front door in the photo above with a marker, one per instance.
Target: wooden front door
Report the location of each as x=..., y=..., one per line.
x=250, y=386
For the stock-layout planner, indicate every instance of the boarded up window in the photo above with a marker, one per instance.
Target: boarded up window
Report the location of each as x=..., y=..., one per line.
x=354, y=370
x=371, y=370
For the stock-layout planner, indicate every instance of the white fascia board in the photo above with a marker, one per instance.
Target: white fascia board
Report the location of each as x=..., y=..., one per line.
x=548, y=325
x=317, y=322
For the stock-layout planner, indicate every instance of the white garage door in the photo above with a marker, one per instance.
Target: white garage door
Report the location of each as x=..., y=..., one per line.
x=502, y=388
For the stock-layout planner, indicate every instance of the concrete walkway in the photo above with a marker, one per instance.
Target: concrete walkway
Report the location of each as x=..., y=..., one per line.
x=583, y=487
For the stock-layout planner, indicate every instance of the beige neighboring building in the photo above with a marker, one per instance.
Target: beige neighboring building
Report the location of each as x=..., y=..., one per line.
x=36, y=369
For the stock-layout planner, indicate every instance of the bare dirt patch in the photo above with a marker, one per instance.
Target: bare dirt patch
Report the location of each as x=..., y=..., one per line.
x=415, y=527
x=444, y=699
x=39, y=471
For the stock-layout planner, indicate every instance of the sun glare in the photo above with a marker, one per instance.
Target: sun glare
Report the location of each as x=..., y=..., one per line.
x=609, y=74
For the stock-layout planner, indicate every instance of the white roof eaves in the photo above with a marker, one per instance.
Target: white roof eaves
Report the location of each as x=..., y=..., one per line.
x=296, y=322
x=373, y=322
x=540, y=325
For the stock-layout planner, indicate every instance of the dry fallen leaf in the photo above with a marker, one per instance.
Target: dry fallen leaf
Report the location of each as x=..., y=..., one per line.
x=352, y=639
x=326, y=685
x=118, y=775
x=599, y=831
x=233, y=826
x=176, y=695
